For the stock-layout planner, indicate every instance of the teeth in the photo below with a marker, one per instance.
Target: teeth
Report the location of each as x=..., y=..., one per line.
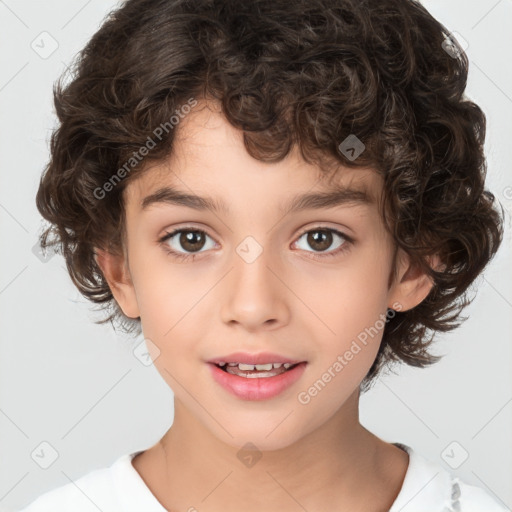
x=261, y=367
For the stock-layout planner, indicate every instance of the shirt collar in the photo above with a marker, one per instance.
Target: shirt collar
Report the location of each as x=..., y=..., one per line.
x=426, y=486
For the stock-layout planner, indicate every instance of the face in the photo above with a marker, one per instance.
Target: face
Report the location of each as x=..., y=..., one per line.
x=247, y=274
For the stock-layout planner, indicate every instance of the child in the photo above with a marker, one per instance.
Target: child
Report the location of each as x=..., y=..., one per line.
x=322, y=157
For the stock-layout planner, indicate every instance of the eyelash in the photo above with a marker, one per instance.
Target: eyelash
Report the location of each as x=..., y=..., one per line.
x=348, y=241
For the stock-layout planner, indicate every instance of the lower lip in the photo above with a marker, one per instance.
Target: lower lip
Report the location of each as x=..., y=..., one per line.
x=262, y=388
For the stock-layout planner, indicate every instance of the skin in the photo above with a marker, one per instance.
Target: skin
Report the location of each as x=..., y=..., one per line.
x=293, y=300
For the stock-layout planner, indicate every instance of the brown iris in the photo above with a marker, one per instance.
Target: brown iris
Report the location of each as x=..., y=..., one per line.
x=322, y=238
x=192, y=240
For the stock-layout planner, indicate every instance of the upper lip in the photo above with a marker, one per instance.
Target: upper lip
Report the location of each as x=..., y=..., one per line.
x=260, y=358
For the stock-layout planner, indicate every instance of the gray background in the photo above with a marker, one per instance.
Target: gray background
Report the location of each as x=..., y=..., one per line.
x=77, y=386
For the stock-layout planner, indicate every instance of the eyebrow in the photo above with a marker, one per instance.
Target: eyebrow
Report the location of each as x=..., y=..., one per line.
x=339, y=196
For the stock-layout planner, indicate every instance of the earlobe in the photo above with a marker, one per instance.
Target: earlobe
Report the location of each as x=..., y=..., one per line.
x=116, y=272
x=412, y=285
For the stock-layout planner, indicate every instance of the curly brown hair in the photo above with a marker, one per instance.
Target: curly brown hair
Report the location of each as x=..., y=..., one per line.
x=306, y=73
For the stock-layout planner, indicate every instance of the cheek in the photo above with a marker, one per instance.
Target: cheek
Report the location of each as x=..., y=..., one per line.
x=166, y=291
x=350, y=298
x=355, y=316
x=174, y=312
x=350, y=303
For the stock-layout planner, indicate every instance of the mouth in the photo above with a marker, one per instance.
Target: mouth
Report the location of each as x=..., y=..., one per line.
x=256, y=377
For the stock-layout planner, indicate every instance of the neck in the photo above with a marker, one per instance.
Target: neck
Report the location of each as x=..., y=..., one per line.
x=341, y=462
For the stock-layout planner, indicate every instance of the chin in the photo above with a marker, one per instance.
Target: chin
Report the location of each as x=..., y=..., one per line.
x=263, y=436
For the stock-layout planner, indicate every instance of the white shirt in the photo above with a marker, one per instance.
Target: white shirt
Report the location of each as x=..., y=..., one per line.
x=427, y=487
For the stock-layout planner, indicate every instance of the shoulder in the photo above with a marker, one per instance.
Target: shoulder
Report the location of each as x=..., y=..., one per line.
x=97, y=490
x=428, y=487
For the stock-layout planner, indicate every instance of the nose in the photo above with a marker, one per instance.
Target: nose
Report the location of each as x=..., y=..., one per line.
x=254, y=295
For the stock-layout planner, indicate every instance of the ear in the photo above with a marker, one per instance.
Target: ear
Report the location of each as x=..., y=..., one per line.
x=116, y=272
x=411, y=285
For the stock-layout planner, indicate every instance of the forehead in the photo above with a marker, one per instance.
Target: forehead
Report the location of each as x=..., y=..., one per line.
x=209, y=168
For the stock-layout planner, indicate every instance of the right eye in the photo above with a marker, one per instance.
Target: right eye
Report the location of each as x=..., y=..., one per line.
x=191, y=240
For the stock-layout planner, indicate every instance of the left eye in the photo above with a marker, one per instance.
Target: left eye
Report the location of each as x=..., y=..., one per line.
x=321, y=239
